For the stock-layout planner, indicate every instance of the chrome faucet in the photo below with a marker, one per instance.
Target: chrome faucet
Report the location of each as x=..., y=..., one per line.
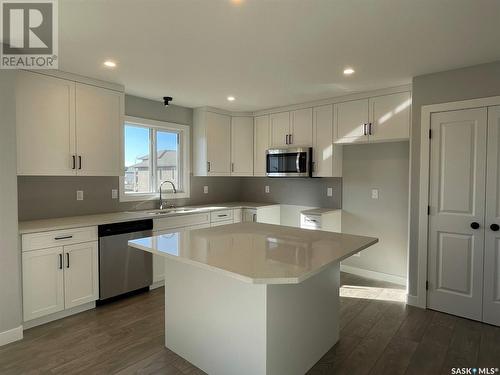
x=163, y=204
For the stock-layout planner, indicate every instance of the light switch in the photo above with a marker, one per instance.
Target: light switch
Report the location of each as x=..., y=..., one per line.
x=205, y=189
x=329, y=192
x=374, y=193
x=79, y=195
x=267, y=188
x=114, y=193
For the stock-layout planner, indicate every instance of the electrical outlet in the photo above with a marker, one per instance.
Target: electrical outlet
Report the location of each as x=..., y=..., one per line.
x=374, y=193
x=205, y=189
x=114, y=193
x=329, y=192
x=267, y=189
x=79, y=195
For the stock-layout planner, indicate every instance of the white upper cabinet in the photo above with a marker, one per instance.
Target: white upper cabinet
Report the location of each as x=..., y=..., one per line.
x=212, y=143
x=242, y=146
x=261, y=144
x=45, y=110
x=352, y=121
x=390, y=117
x=98, y=127
x=378, y=119
x=327, y=157
x=280, y=128
x=301, y=127
x=66, y=128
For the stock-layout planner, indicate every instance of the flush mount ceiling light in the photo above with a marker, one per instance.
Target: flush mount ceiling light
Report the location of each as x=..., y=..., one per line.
x=348, y=71
x=109, y=64
x=231, y=98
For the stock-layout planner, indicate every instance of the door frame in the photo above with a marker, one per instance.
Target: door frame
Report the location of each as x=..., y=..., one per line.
x=424, y=185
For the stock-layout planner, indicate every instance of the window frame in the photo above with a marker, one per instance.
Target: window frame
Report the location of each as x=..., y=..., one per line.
x=184, y=172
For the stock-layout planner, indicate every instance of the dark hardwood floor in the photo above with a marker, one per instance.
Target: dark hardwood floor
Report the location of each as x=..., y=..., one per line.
x=379, y=335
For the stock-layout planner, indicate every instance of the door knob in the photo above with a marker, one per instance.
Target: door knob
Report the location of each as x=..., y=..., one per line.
x=474, y=225
x=494, y=227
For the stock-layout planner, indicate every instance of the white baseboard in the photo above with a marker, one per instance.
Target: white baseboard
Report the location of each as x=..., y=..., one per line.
x=373, y=274
x=11, y=335
x=157, y=284
x=59, y=315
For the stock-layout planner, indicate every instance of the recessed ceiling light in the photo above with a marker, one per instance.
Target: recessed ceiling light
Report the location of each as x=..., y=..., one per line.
x=109, y=64
x=348, y=71
x=231, y=98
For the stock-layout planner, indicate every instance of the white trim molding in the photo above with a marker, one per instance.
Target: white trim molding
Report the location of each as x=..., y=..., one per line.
x=420, y=299
x=373, y=274
x=14, y=334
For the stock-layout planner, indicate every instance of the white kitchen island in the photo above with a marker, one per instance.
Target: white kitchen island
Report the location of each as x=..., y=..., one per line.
x=252, y=298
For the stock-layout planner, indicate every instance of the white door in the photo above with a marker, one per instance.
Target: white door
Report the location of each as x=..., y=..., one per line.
x=457, y=208
x=327, y=157
x=301, y=127
x=280, y=129
x=390, y=117
x=242, y=146
x=352, y=121
x=45, y=125
x=98, y=129
x=218, y=134
x=81, y=279
x=261, y=141
x=43, y=282
x=491, y=295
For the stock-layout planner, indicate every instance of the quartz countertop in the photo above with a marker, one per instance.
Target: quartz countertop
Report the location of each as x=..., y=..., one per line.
x=44, y=225
x=319, y=211
x=257, y=253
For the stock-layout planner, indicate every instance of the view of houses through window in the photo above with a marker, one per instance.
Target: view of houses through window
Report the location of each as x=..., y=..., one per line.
x=151, y=157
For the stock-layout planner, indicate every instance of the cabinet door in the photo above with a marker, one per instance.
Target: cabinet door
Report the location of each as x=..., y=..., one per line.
x=45, y=124
x=81, y=279
x=98, y=130
x=280, y=128
x=242, y=146
x=237, y=215
x=323, y=141
x=352, y=121
x=301, y=127
x=390, y=117
x=43, y=282
x=261, y=144
x=218, y=133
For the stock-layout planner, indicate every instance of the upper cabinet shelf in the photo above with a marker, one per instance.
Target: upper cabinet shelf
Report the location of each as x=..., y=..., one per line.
x=379, y=119
x=66, y=128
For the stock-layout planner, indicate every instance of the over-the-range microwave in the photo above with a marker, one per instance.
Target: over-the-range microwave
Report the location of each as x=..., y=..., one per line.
x=289, y=162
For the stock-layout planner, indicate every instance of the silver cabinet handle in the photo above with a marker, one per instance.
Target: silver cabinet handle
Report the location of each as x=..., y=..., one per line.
x=232, y=167
x=67, y=260
x=222, y=215
x=286, y=139
x=364, y=129
x=60, y=262
x=208, y=166
x=74, y=161
x=370, y=128
x=62, y=238
x=79, y=161
x=290, y=138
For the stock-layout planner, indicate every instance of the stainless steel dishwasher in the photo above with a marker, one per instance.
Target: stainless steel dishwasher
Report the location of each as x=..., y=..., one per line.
x=123, y=269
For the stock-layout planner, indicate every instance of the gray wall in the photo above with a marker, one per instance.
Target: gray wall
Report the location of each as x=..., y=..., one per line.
x=10, y=283
x=383, y=166
x=153, y=110
x=473, y=82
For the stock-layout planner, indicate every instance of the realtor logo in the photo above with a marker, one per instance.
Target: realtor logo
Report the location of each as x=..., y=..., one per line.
x=28, y=34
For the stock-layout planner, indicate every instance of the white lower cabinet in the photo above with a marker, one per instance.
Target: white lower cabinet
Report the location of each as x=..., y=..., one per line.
x=59, y=278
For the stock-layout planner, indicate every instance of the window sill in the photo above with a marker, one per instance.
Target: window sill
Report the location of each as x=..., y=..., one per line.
x=136, y=197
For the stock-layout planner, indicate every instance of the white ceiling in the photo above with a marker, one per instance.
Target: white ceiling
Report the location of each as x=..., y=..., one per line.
x=270, y=53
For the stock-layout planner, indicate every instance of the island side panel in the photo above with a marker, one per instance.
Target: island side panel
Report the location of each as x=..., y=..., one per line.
x=216, y=322
x=302, y=322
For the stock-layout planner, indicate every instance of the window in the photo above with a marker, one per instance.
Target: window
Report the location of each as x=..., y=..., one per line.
x=154, y=151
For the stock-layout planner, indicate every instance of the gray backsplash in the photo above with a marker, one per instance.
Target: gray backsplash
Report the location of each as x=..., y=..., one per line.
x=42, y=197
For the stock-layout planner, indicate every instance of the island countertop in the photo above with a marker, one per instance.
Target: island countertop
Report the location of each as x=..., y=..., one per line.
x=257, y=253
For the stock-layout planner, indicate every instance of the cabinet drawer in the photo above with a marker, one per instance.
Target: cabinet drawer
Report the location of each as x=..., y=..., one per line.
x=45, y=240
x=181, y=221
x=310, y=221
x=220, y=223
x=221, y=215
